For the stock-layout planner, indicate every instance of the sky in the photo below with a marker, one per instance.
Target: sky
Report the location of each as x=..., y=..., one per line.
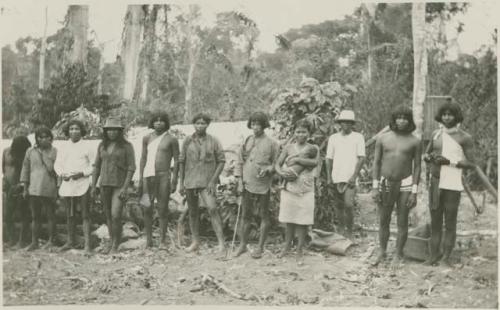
x=27, y=17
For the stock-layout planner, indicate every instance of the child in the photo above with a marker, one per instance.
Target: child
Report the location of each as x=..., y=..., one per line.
x=306, y=153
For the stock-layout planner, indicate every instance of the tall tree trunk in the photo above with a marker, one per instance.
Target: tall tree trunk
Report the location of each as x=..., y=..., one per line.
x=78, y=25
x=41, y=73
x=419, y=86
x=131, y=47
x=101, y=69
x=419, y=64
x=368, y=14
x=148, y=53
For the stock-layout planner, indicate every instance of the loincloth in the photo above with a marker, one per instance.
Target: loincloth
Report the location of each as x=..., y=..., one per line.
x=390, y=189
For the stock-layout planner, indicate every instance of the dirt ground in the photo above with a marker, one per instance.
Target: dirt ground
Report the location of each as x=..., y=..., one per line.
x=155, y=277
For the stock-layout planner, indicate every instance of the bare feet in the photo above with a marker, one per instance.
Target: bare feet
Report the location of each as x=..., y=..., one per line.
x=283, y=253
x=447, y=261
x=300, y=259
x=193, y=247
x=381, y=257
x=397, y=262
x=242, y=249
x=257, y=254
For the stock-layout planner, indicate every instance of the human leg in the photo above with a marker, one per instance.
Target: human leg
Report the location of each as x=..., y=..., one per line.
x=436, y=233
x=194, y=219
x=163, y=194
x=246, y=205
x=148, y=186
x=70, y=227
x=106, y=195
x=451, y=201
x=265, y=222
x=116, y=219
x=339, y=207
x=49, y=205
x=349, y=196
x=289, y=234
x=36, y=212
x=384, y=212
x=85, y=207
x=301, y=235
x=211, y=203
x=25, y=216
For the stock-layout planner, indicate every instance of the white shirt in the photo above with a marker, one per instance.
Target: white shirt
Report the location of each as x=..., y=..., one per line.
x=344, y=151
x=73, y=158
x=149, y=169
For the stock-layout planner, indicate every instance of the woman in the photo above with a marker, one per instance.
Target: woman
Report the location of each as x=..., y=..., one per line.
x=12, y=164
x=115, y=165
x=74, y=166
x=40, y=184
x=297, y=198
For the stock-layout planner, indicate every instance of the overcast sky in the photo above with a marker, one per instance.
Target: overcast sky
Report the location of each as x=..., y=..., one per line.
x=26, y=17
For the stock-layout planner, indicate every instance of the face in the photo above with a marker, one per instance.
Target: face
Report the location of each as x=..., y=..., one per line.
x=346, y=126
x=401, y=122
x=200, y=126
x=159, y=125
x=257, y=128
x=75, y=133
x=301, y=134
x=448, y=119
x=44, y=141
x=113, y=133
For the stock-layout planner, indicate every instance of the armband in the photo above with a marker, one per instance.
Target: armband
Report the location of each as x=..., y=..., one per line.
x=453, y=164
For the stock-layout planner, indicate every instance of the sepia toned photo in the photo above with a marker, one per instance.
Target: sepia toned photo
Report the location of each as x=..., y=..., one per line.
x=250, y=153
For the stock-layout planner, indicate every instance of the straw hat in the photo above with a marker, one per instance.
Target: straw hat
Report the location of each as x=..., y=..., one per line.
x=113, y=123
x=346, y=116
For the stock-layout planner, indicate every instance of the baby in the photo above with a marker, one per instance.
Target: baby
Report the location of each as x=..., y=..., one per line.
x=306, y=153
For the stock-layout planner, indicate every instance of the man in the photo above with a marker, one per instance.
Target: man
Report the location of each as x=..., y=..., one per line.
x=159, y=148
x=345, y=155
x=74, y=165
x=254, y=171
x=396, y=173
x=448, y=153
x=201, y=162
x=13, y=202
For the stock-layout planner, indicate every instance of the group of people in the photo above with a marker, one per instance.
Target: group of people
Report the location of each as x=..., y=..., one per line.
x=35, y=176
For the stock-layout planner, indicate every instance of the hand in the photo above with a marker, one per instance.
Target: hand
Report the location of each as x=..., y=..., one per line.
x=77, y=176
x=239, y=188
x=182, y=189
x=66, y=177
x=288, y=175
x=329, y=182
x=263, y=172
x=376, y=195
x=292, y=160
x=428, y=157
x=123, y=193
x=93, y=193
x=173, y=186
x=351, y=182
x=25, y=192
x=412, y=201
x=212, y=187
x=441, y=160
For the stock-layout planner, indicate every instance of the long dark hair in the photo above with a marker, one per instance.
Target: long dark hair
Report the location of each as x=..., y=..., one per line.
x=453, y=108
x=406, y=113
x=18, y=148
x=120, y=141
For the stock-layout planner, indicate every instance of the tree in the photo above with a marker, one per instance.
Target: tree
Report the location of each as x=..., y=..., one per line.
x=77, y=24
x=420, y=64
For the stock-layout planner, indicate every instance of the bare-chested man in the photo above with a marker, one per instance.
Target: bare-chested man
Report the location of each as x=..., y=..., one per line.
x=448, y=152
x=396, y=173
x=159, y=148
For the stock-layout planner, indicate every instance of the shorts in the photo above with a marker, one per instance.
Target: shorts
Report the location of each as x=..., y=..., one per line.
x=255, y=204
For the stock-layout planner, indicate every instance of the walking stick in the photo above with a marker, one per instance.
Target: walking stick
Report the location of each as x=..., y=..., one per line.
x=469, y=194
x=236, y=224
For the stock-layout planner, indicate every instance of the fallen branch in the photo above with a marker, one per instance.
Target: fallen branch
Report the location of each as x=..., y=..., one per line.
x=209, y=279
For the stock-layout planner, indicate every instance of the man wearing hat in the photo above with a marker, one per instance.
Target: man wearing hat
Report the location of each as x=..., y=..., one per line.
x=114, y=166
x=344, y=158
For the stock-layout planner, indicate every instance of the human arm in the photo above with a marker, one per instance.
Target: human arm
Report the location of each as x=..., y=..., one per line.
x=96, y=171
x=329, y=160
x=417, y=168
x=377, y=157
x=220, y=160
x=130, y=164
x=182, y=162
x=238, y=170
x=142, y=162
x=269, y=170
x=468, y=161
x=25, y=173
x=310, y=162
x=288, y=175
x=175, y=174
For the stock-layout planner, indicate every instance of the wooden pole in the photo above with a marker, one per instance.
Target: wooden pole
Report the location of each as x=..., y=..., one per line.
x=41, y=72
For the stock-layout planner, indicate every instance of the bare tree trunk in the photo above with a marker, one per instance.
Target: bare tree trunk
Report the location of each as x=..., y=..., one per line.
x=369, y=10
x=41, y=73
x=78, y=24
x=419, y=86
x=148, y=52
x=131, y=46
x=101, y=69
